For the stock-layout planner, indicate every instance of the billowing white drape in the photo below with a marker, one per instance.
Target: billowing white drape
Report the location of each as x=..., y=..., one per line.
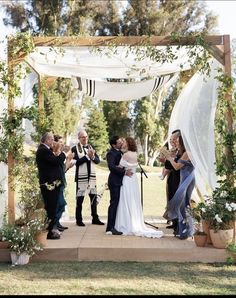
x=194, y=114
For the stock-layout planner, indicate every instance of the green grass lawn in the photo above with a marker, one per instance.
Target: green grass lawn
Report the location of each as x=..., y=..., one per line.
x=111, y=278
x=154, y=196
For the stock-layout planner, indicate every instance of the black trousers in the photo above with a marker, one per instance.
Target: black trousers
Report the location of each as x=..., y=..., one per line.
x=112, y=209
x=93, y=204
x=50, y=198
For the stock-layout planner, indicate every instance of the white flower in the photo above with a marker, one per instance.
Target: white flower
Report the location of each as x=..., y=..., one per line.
x=228, y=207
x=233, y=205
x=217, y=218
x=203, y=209
x=224, y=194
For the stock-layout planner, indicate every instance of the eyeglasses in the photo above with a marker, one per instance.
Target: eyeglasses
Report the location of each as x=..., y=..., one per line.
x=84, y=137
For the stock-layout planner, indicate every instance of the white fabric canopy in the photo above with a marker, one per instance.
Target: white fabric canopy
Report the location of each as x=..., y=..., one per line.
x=194, y=114
x=106, y=76
x=120, y=90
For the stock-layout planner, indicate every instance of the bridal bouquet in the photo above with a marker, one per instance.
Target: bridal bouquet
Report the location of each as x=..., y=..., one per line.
x=101, y=192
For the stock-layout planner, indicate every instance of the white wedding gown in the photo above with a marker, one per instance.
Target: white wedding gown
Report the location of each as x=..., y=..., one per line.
x=129, y=216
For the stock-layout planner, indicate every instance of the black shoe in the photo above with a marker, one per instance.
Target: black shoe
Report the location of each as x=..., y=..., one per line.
x=62, y=227
x=80, y=223
x=115, y=232
x=183, y=237
x=53, y=236
x=97, y=222
x=170, y=227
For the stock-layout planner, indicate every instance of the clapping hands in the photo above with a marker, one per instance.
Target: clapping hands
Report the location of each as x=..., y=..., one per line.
x=165, y=152
x=66, y=148
x=69, y=160
x=91, y=153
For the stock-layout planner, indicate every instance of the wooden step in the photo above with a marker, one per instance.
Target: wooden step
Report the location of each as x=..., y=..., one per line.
x=90, y=243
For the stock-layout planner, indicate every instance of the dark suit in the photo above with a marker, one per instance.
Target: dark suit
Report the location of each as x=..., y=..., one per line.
x=114, y=183
x=80, y=199
x=172, y=185
x=49, y=170
x=172, y=179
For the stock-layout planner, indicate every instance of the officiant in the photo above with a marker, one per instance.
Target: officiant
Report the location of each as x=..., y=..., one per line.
x=85, y=177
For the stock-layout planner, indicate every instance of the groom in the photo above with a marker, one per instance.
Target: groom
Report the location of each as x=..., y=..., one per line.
x=114, y=182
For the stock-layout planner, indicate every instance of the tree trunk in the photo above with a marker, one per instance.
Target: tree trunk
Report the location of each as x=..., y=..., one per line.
x=146, y=150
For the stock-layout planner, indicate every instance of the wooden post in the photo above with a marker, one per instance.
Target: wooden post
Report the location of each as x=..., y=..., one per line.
x=228, y=98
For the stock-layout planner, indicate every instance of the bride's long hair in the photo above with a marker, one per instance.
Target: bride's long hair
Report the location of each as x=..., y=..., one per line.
x=181, y=145
x=131, y=144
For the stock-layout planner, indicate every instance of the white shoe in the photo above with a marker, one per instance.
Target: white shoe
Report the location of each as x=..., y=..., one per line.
x=108, y=233
x=161, y=176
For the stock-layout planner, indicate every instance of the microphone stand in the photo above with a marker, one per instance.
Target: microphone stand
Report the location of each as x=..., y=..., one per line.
x=144, y=173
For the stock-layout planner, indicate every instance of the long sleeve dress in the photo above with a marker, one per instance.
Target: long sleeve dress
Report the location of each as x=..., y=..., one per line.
x=178, y=206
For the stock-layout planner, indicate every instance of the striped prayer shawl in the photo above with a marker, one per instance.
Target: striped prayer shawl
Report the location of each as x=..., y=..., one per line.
x=86, y=185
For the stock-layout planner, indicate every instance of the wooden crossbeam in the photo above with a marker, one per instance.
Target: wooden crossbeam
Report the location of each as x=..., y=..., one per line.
x=124, y=40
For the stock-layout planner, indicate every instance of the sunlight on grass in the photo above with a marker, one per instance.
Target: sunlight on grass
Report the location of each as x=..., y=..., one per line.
x=125, y=278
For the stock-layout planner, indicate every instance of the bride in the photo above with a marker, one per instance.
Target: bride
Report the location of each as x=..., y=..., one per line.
x=129, y=217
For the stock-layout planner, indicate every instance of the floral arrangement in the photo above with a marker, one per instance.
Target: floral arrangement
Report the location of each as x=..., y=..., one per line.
x=53, y=185
x=197, y=212
x=217, y=210
x=22, y=238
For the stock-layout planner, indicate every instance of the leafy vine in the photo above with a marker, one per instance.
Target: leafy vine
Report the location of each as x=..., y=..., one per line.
x=226, y=137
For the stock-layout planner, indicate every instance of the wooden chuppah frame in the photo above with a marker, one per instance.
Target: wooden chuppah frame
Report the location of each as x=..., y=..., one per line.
x=219, y=47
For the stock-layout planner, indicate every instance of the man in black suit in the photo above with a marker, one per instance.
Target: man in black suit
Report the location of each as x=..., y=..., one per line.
x=114, y=182
x=50, y=179
x=85, y=177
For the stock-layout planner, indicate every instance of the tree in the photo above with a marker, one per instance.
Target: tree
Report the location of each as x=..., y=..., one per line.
x=97, y=130
x=46, y=16
x=147, y=17
x=117, y=117
x=162, y=17
x=60, y=108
